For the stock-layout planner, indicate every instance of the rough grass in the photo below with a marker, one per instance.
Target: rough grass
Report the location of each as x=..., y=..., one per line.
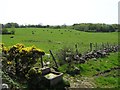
x=110, y=79
x=93, y=67
x=107, y=80
x=43, y=38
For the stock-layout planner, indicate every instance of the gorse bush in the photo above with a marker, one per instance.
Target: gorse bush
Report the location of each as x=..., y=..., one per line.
x=21, y=58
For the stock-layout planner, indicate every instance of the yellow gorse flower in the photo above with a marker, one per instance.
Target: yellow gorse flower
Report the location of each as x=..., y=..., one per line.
x=31, y=49
x=27, y=49
x=9, y=63
x=3, y=48
x=20, y=48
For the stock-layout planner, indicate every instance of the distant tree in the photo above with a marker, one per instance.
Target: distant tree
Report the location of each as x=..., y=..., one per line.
x=4, y=31
x=56, y=27
x=115, y=26
x=9, y=25
x=89, y=27
x=47, y=26
x=13, y=28
x=111, y=29
x=64, y=26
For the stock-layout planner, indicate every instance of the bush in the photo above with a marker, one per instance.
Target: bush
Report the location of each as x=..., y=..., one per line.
x=63, y=54
x=22, y=58
x=5, y=31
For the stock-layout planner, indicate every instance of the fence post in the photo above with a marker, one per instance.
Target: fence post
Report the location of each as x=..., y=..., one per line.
x=102, y=45
x=91, y=46
x=76, y=49
x=53, y=58
x=96, y=47
x=107, y=44
x=41, y=61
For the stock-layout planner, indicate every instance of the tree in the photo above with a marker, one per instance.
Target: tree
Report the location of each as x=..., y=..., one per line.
x=13, y=28
x=4, y=31
x=9, y=25
x=111, y=29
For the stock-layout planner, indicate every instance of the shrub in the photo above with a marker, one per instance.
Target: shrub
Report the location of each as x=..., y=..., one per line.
x=65, y=55
x=22, y=58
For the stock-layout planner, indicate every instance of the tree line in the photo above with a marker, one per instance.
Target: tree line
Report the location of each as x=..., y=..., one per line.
x=87, y=27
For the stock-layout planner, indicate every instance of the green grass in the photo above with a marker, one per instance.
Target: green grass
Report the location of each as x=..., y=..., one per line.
x=107, y=80
x=92, y=67
x=46, y=40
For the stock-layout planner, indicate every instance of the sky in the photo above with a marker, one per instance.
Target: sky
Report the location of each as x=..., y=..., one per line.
x=58, y=12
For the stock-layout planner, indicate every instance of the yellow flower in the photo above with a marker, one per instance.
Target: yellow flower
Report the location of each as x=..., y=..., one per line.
x=20, y=45
x=9, y=63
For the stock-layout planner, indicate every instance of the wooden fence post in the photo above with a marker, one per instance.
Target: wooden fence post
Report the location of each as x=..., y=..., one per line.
x=76, y=49
x=102, y=45
x=41, y=61
x=53, y=58
x=96, y=47
x=91, y=46
x=107, y=44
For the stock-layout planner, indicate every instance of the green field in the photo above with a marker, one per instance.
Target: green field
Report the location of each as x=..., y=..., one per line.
x=55, y=39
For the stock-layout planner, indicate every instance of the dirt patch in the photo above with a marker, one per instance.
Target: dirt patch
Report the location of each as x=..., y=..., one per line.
x=80, y=82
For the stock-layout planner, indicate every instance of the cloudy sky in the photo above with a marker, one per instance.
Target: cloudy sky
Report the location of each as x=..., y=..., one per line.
x=59, y=12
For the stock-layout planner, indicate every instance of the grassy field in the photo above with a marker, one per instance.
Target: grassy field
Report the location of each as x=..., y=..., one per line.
x=55, y=39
